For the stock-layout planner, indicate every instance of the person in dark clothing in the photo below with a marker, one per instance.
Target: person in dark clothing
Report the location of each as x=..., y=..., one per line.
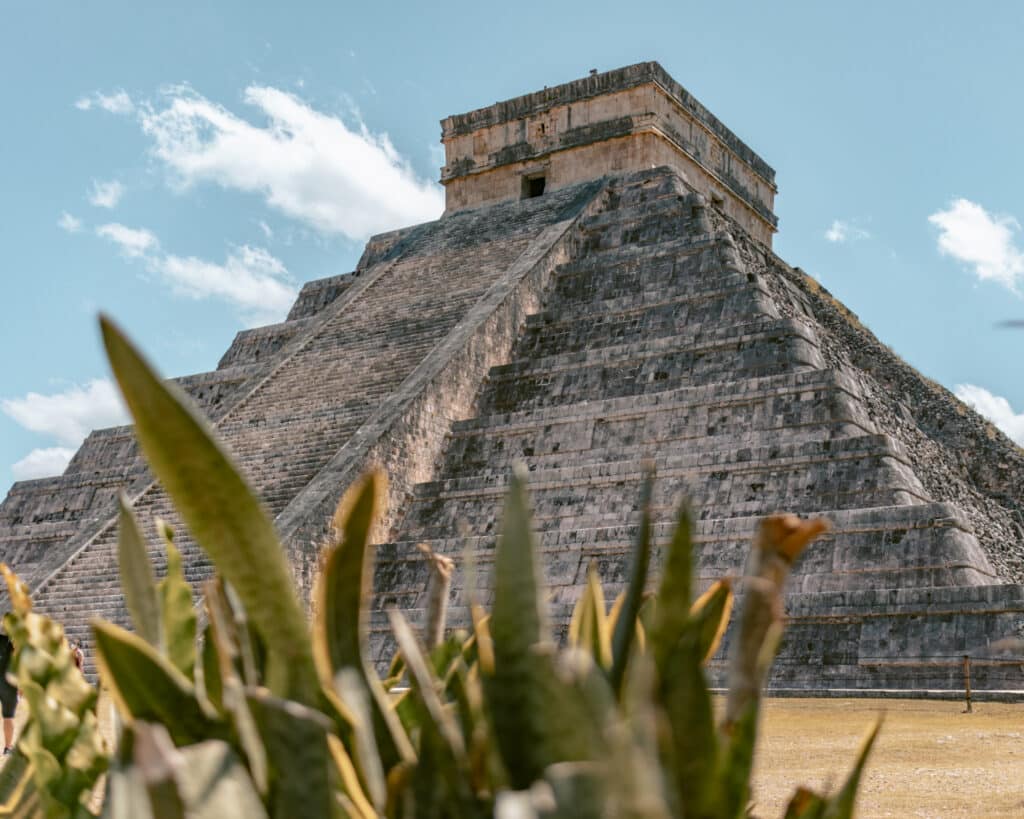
x=8, y=692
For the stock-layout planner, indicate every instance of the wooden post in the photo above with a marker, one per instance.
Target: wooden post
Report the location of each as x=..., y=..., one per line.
x=967, y=683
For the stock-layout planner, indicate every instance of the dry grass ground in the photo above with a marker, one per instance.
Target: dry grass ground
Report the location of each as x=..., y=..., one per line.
x=930, y=759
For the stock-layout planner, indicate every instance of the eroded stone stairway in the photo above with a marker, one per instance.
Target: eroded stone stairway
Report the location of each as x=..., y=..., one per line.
x=319, y=383
x=584, y=333
x=655, y=342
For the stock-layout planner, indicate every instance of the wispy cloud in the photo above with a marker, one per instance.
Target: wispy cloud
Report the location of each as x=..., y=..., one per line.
x=250, y=279
x=42, y=463
x=106, y=194
x=994, y=407
x=842, y=230
x=117, y=103
x=65, y=417
x=984, y=241
x=70, y=415
x=69, y=223
x=133, y=242
x=309, y=165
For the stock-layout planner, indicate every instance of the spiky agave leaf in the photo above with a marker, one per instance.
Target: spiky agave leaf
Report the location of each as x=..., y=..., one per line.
x=589, y=628
x=625, y=621
x=146, y=686
x=220, y=510
x=177, y=613
x=138, y=583
x=532, y=710
x=342, y=594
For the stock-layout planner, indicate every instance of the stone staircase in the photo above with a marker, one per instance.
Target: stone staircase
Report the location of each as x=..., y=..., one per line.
x=322, y=388
x=584, y=333
x=655, y=343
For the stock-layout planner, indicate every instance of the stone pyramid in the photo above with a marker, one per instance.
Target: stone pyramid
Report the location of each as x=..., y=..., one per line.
x=601, y=291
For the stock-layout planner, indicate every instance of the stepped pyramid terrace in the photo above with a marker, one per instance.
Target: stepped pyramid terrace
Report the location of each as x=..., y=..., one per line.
x=601, y=291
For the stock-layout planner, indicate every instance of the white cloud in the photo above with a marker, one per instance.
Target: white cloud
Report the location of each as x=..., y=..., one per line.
x=106, y=194
x=845, y=231
x=69, y=223
x=994, y=407
x=267, y=232
x=982, y=240
x=70, y=415
x=134, y=242
x=42, y=463
x=306, y=164
x=250, y=279
x=117, y=103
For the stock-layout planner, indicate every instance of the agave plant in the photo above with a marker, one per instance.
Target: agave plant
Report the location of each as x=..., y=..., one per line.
x=262, y=712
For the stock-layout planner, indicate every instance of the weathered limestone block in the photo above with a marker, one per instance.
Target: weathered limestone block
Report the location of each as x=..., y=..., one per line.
x=624, y=120
x=250, y=346
x=317, y=294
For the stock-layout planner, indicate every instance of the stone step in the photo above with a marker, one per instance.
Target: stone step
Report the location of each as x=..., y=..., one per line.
x=643, y=292
x=670, y=317
x=745, y=457
x=99, y=574
x=851, y=473
x=794, y=407
x=639, y=223
x=768, y=347
x=733, y=391
x=901, y=546
x=682, y=266
x=695, y=340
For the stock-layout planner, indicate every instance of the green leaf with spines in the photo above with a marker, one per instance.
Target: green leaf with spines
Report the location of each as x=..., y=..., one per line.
x=178, y=614
x=589, y=628
x=442, y=776
x=709, y=615
x=223, y=637
x=690, y=744
x=299, y=760
x=517, y=627
x=370, y=784
x=624, y=632
x=138, y=582
x=342, y=594
x=220, y=510
x=672, y=610
x=735, y=763
x=213, y=683
x=145, y=685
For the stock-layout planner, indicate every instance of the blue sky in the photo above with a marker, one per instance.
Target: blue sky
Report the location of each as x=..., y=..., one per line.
x=187, y=167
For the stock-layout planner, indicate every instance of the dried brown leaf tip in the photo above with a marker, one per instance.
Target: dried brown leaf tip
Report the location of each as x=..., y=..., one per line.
x=788, y=535
x=443, y=566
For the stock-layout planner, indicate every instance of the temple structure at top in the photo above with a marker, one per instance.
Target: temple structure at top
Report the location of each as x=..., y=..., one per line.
x=629, y=119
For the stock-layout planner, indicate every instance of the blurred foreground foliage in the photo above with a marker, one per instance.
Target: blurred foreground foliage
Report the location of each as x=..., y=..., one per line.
x=247, y=709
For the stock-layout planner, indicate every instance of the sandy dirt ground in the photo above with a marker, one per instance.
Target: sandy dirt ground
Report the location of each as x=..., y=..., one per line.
x=930, y=759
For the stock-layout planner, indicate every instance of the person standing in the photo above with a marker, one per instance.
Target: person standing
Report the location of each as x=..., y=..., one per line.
x=8, y=692
x=78, y=655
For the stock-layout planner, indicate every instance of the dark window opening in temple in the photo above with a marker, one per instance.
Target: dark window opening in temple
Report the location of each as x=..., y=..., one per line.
x=533, y=186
